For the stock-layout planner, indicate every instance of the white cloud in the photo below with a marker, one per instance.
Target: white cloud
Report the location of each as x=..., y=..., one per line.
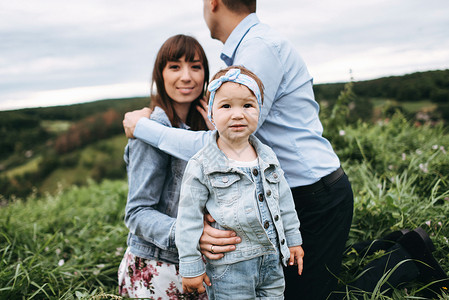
x=379, y=61
x=84, y=45
x=80, y=13
x=47, y=65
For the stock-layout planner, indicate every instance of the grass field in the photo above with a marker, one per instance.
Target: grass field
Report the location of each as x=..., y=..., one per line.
x=68, y=245
x=30, y=166
x=409, y=106
x=57, y=126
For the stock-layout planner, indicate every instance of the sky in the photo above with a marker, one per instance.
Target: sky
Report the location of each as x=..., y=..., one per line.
x=58, y=52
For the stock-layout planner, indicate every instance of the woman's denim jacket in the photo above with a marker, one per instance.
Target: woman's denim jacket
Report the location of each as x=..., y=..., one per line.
x=154, y=179
x=229, y=196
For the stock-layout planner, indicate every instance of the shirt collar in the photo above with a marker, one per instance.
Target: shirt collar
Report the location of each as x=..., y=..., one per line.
x=233, y=41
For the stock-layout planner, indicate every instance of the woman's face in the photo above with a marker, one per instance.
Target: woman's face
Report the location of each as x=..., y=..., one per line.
x=183, y=80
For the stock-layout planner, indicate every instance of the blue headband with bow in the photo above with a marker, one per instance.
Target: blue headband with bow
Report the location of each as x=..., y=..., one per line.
x=233, y=75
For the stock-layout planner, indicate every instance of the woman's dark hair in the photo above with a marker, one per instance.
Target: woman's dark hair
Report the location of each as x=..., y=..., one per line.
x=172, y=50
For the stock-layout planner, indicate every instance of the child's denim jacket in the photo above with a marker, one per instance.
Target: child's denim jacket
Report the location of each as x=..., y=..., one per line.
x=154, y=179
x=228, y=194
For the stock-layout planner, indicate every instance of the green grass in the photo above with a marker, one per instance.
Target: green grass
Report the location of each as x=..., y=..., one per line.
x=95, y=161
x=69, y=245
x=55, y=246
x=63, y=178
x=57, y=126
x=30, y=166
x=400, y=180
x=416, y=106
x=103, y=153
x=409, y=106
x=103, y=150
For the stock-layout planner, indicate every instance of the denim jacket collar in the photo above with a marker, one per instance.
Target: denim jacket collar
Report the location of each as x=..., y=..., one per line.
x=160, y=116
x=266, y=159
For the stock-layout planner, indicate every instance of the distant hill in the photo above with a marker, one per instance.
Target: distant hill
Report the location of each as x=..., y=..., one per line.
x=40, y=147
x=37, y=144
x=430, y=85
x=78, y=111
x=24, y=129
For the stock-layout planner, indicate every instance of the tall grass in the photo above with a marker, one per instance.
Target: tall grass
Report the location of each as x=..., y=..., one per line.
x=63, y=246
x=69, y=246
x=400, y=178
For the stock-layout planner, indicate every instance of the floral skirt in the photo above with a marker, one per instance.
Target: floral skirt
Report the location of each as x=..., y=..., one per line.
x=151, y=279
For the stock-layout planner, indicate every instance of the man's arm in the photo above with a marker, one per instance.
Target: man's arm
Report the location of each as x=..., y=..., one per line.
x=177, y=142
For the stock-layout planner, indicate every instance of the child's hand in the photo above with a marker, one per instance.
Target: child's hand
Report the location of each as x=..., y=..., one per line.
x=296, y=255
x=193, y=284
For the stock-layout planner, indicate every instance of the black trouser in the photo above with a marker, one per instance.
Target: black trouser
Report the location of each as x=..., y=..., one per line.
x=325, y=213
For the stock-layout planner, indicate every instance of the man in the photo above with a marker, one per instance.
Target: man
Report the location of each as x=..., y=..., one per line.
x=290, y=125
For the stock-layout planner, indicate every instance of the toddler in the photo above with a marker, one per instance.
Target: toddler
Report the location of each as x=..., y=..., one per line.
x=238, y=180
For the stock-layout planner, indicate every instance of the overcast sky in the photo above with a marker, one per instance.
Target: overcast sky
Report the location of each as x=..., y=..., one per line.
x=55, y=52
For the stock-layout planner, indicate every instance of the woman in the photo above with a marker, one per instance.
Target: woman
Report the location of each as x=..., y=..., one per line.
x=149, y=268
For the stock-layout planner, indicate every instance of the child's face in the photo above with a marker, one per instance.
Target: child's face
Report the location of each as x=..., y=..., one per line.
x=235, y=111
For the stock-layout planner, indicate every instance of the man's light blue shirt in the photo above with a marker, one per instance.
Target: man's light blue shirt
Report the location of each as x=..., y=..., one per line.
x=289, y=121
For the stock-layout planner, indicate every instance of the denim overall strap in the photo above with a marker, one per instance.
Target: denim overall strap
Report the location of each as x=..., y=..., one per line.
x=264, y=213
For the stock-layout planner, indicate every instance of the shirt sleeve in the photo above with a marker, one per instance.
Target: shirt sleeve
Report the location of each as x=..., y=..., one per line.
x=147, y=168
x=194, y=195
x=263, y=60
x=177, y=142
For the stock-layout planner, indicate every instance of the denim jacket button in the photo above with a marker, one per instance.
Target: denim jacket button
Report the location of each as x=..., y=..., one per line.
x=269, y=193
x=260, y=197
x=276, y=217
x=282, y=242
x=225, y=179
x=275, y=175
x=266, y=224
x=255, y=172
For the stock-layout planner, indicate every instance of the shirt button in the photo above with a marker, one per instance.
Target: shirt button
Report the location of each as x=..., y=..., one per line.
x=266, y=224
x=282, y=242
x=269, y=193
x=276, y=217
x=260, y=197
x=255, y=172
